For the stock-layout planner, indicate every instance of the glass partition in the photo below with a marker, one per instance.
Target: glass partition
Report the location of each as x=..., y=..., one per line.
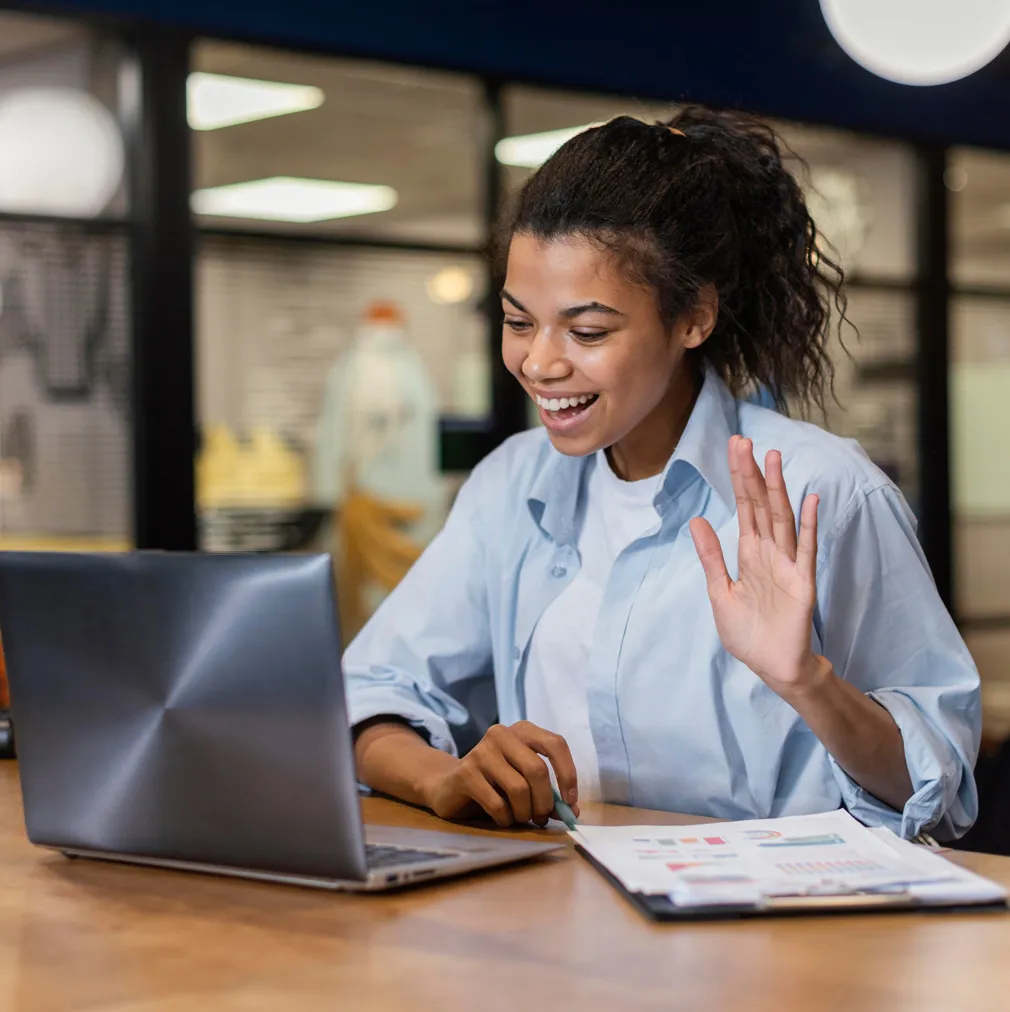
x=979, y=184
x=285, y=141
x=64, y=291
x=341, y=290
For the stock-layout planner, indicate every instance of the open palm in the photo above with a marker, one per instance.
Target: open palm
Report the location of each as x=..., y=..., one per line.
x=764, y=617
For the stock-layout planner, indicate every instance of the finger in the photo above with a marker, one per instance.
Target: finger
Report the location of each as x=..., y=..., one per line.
x=557, y=751
x=744, y=506
x=533, y=770
x=755, y=488
x=783, y=518
x=706, y=544
x=477, y=787
x=503, y=775
x=806, y=551
x=557, y=816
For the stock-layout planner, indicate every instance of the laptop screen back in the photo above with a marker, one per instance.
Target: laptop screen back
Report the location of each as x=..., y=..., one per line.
x=181, y=706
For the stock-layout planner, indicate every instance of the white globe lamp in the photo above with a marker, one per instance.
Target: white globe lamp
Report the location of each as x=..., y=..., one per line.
x=61, y=153
x=920, y=42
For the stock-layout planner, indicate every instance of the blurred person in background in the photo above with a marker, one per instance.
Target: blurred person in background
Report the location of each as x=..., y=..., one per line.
x=650, y=617
x=376, y=461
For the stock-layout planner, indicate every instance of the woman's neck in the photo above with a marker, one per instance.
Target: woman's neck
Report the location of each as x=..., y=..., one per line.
x=645, y=450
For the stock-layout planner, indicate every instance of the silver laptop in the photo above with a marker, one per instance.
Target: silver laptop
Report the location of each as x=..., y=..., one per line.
x=188, y=711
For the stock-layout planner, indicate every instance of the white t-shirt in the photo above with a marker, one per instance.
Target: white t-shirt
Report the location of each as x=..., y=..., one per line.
x=557, y=673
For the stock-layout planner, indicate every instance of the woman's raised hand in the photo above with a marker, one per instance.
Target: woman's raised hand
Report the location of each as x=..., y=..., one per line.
x=765, y=616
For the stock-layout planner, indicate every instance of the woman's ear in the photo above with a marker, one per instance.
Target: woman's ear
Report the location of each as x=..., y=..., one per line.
x=699, y=321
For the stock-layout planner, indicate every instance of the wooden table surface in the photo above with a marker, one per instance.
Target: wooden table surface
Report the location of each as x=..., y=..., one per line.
x=83, y=935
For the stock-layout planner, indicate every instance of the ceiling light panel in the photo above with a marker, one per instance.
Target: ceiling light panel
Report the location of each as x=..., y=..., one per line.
x=287, y=198
x=216, y=100
x=530, y=151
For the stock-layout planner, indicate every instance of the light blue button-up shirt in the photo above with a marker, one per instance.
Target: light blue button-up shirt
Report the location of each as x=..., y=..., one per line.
x=677, y=722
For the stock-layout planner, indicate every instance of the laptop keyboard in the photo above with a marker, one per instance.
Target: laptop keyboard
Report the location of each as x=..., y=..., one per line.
x=379, y=855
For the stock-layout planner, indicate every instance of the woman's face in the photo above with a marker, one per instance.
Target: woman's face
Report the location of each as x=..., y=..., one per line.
x=589, y=347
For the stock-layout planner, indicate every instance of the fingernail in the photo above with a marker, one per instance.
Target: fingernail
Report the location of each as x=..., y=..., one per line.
x=573, y=796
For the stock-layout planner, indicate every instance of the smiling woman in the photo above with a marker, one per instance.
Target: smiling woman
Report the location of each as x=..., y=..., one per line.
x=652, y=275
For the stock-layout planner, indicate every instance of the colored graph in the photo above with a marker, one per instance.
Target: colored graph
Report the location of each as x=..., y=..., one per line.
x=854, y=866
x=823, y=840
x=656, y=845
x=718, y=879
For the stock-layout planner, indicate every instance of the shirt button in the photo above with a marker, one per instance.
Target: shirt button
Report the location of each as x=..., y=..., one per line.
x=517, y=653
x=558, y=571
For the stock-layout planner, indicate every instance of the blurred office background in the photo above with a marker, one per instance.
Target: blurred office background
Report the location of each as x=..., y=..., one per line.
x=244, y=303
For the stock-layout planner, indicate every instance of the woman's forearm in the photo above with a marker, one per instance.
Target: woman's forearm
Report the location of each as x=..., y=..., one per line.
x=858, y=732
x=393, y=758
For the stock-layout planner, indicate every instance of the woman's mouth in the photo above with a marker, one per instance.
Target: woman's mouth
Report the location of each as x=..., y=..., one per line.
x=561, y=414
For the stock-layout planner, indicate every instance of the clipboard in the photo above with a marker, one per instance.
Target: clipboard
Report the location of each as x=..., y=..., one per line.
x=658, y=907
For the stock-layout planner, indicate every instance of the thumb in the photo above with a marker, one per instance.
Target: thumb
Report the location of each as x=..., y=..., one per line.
x=706, y=544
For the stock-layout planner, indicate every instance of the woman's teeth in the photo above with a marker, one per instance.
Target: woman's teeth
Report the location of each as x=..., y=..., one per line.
x=560, y=403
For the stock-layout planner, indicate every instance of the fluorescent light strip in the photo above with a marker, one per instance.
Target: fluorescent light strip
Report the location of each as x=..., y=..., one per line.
x=215, y=100
x=286, y=198
x=530, y=151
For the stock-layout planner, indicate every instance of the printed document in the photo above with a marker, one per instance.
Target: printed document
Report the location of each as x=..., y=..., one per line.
x=747, y=862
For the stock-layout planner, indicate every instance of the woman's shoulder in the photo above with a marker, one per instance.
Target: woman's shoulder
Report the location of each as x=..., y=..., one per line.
x=814, y=460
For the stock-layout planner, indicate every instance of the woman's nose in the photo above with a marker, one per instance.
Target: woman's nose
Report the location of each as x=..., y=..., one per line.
x=545, y=359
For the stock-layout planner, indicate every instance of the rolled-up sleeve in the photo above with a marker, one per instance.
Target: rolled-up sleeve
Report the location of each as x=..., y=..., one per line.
x=882, y=625
x=425, y=655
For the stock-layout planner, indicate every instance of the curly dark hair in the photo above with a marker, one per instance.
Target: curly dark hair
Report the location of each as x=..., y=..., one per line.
x=701, y=199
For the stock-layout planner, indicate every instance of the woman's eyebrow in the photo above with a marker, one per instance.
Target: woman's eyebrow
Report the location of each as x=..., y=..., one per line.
x=571, y=312
x=515, y=302
x=589, y=307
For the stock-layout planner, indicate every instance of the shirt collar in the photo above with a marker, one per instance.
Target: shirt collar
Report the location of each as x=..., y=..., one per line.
x=703, y=446
x=555, y=493
x=704, y=443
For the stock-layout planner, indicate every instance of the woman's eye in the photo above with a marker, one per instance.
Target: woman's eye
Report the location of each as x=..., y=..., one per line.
x=588, y=336
x=518, y=326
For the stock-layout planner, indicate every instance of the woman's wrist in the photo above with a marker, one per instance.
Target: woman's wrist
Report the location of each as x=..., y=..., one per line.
x=394, y=759
x=812, y=686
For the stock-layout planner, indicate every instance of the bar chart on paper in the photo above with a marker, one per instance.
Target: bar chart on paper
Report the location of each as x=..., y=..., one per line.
x=843, y=868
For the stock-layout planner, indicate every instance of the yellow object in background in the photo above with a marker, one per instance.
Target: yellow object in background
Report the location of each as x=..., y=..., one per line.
x=271, y=473
x=217, y=467
x=265, y=473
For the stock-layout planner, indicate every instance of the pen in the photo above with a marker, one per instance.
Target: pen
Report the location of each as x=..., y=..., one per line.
x=565, y=814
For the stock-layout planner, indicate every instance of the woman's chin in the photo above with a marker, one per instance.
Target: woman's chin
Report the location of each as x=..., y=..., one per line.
x=573, y=445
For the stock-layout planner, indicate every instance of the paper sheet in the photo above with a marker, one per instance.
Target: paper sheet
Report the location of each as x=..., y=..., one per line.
x=745, y=862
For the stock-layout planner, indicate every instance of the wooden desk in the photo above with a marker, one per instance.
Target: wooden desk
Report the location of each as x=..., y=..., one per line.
x=83, y=936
